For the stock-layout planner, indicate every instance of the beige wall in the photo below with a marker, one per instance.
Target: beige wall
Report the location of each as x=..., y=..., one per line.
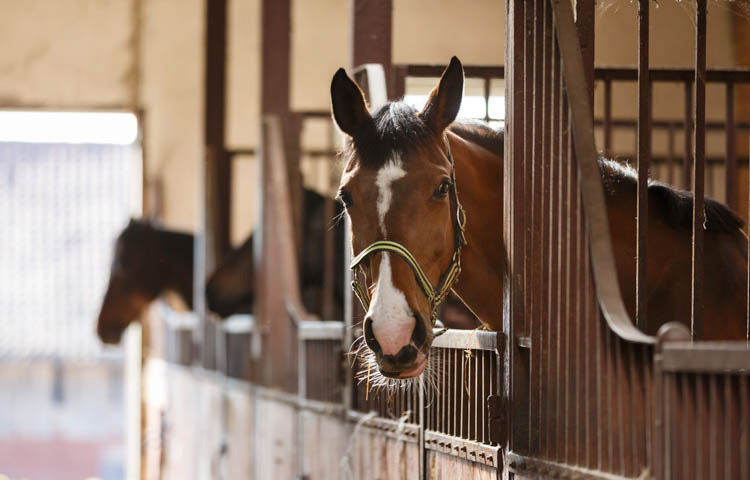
x=171, y=86
x=672, y=45
x=67, y=54
x=84, y=53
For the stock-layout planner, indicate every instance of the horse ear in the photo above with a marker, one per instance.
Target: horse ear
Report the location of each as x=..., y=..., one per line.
x=445, y=100
x=349, y=106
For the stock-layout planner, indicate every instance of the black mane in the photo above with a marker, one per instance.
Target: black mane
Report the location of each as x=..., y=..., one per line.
x=480, y=134
x=677, y=205
x=395, y=128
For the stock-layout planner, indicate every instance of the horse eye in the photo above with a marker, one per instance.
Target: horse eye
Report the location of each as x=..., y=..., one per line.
x=345, y=198
x=443, y=189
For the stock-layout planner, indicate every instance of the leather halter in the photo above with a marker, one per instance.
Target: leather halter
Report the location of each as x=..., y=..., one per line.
x=435, y=295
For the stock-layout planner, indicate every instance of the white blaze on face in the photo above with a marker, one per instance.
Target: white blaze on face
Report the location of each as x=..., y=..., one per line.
x=392, y=320
x=388, y=174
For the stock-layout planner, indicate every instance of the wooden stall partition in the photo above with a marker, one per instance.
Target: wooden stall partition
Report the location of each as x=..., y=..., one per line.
x=276, y=265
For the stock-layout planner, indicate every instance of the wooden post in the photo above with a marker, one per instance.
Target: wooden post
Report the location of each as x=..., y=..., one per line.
x=276, y=328
x=212, y=237
x=371, y=34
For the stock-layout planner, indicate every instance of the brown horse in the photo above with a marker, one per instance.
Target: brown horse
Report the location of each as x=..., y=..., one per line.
x=147, y=262
x=397, y=185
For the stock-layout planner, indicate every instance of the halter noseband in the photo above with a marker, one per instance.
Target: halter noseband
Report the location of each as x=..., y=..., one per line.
x=435, y=295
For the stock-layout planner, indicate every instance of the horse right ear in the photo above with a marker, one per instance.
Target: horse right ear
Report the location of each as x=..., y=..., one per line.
x=349, y=105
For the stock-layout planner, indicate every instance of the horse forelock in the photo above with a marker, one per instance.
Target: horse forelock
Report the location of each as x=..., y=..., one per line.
x=393, y=131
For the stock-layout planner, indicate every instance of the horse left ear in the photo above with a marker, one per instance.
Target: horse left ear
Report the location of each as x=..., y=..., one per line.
x=445, y=100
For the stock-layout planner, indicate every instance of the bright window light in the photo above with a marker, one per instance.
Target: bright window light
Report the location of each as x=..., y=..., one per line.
x=68, y=127
x=472, y=106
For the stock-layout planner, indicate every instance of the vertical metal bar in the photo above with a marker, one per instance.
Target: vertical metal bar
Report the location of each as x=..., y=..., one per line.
x=556, y=217
x=214, y=125
x=483, y=400
x=536, y=228
x=475, y=400
x=730, y=176
x=670, y=154
x=422, y=451
x=744, y=387
x=546, y=245
x=644, y=161
x=607, y=116
x=486, y=99
x=698, y=168
x=688, y=147
x=516, y=191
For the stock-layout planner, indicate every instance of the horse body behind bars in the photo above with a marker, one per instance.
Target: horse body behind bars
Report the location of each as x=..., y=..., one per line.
x=395, y=187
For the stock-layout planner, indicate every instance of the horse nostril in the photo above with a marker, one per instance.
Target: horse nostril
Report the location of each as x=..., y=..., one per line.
x=370, y=337
x=419, y=334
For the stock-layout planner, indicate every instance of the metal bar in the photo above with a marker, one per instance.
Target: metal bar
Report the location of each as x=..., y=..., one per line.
x=744, y=387
x=318, y=330
x=644, y=153
x=670, y=154
x=605, y=278
x=214, y=126
x=514, y=229
x=674, y=75
x=468, y=340
x=688, y=131
x=657, y=74
x=546, y=207
x=698, y=170
x=486, y=99
x=730, y=178
x=535, y=317
x=553, y=325
x=607, y=116
x=666, y=124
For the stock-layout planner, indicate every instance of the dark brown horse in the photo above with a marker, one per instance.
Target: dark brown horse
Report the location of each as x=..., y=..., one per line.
x=397, y=185
x=147, y=262
x=230, y=286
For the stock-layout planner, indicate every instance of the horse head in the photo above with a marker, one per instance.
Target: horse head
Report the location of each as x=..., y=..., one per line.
x=130, y=287
x=147, y=261
x=398, y=188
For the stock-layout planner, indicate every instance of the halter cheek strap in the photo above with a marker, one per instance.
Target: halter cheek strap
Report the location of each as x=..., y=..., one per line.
x=435, y=295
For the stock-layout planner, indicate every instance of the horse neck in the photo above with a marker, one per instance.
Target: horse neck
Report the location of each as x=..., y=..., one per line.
x=483, y=259
x=177, y=249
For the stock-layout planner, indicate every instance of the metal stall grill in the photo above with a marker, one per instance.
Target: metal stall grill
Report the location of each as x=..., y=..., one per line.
x=462, y=415
x=579, y=383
